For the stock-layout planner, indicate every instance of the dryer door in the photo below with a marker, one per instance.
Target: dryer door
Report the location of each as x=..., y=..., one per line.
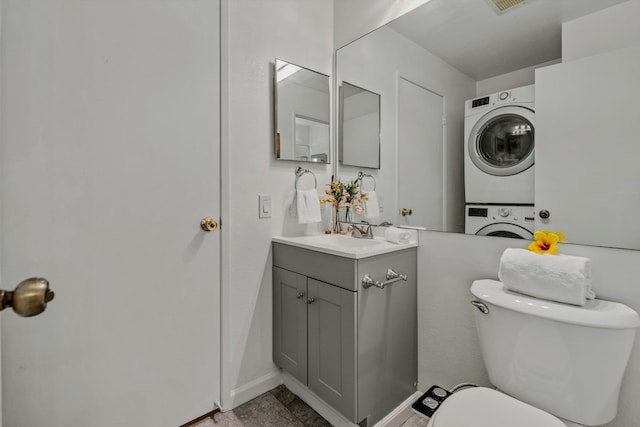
x=502, y=141
x=505, y=230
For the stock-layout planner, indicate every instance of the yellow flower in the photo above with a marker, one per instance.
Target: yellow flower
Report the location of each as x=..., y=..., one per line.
x=545, y=242
x=561, y=236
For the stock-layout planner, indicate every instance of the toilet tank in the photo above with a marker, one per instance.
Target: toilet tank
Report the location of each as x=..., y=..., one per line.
x=564, y=359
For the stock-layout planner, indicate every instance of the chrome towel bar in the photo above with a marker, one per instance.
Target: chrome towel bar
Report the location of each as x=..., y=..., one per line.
x=392, y=277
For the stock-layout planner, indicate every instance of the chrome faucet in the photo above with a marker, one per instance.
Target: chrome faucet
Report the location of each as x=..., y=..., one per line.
x=361, y=232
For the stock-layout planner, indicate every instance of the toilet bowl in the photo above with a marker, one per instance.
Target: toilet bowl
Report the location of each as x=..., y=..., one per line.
x=485, y=407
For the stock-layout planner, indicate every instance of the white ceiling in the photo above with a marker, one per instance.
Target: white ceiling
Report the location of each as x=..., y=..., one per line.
x=471, y=37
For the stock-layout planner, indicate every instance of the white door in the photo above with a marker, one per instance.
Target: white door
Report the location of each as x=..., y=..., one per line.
x=420, y=156
x=588, y=112
x=110, y=158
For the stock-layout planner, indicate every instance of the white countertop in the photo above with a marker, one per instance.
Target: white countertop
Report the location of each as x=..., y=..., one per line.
x=345, y=246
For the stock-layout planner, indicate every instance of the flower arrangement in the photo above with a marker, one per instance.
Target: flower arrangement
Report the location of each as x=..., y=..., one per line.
x=343, y=195
x=545, y=242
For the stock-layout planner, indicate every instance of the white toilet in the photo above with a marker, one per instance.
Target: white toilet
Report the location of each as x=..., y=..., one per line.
x=554, y=364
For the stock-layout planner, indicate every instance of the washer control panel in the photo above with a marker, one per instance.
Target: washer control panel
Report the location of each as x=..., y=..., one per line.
x=525, y=94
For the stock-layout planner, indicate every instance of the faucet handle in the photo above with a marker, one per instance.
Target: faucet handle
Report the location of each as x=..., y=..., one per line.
x=355, y=230
x=361, y=231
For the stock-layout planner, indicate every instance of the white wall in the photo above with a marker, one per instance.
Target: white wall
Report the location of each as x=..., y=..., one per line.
x=254, y=34
x=354, y=18
x=517, y=78
x=612, y=28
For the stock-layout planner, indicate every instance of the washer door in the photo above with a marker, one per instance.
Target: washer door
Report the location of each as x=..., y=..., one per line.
x=503, y=229
x=502, y=141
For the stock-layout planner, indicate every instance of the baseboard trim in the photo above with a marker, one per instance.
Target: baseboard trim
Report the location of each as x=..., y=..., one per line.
x=201, y=418
x=399, y=415
x=254, y=389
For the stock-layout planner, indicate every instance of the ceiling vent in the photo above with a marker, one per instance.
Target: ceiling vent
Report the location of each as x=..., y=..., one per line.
x=502, y=6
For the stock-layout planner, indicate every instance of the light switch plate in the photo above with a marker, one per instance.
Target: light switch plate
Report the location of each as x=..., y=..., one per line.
x=264, y=206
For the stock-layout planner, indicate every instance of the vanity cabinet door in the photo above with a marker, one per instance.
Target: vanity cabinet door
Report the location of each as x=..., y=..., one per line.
x=290, y=322
x=332, y=345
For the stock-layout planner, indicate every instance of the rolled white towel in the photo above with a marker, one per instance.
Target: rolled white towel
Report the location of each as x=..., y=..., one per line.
x=371, y=206
x=397, y=235
x=561, y=278
x=308, y=204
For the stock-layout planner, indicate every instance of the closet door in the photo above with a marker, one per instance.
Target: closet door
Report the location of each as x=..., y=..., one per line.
x=587, y=170
x=110, y=142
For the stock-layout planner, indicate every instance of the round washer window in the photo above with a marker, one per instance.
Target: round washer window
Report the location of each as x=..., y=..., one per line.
x=505, y=141
x=502, y=142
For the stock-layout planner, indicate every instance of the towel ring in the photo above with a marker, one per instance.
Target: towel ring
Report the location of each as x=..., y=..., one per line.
x=361, y=176
x=299, y=172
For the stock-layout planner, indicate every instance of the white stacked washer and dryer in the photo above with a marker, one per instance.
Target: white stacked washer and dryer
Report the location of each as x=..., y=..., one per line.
x=499, y=164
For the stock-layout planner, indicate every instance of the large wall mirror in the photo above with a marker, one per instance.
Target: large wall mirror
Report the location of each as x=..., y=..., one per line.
x=446, y=64
x=302, y=109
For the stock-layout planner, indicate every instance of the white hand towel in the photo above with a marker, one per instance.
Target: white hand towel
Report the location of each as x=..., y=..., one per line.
x=397, y=235
x=561, y=278
x=308, y=204
x=371, y=207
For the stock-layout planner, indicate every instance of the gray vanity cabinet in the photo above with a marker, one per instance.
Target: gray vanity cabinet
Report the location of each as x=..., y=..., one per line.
x=355, y=348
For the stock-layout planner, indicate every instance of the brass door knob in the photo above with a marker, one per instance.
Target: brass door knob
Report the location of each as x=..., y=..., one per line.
x=29, y=298
x=406, y=211
x=208, y=224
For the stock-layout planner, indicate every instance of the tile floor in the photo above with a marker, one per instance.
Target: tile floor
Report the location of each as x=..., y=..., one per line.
x=278, y=408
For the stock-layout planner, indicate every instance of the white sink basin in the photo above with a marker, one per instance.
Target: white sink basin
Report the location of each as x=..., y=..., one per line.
x=345, y=246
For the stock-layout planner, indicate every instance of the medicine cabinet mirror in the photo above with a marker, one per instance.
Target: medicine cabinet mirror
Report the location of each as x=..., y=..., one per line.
x=359, y=139
x=301, y=116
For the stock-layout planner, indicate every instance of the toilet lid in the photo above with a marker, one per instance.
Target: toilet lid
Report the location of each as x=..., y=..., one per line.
x=484, y=407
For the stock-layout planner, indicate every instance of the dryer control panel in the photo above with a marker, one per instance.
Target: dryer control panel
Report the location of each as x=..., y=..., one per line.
x=503, y=213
